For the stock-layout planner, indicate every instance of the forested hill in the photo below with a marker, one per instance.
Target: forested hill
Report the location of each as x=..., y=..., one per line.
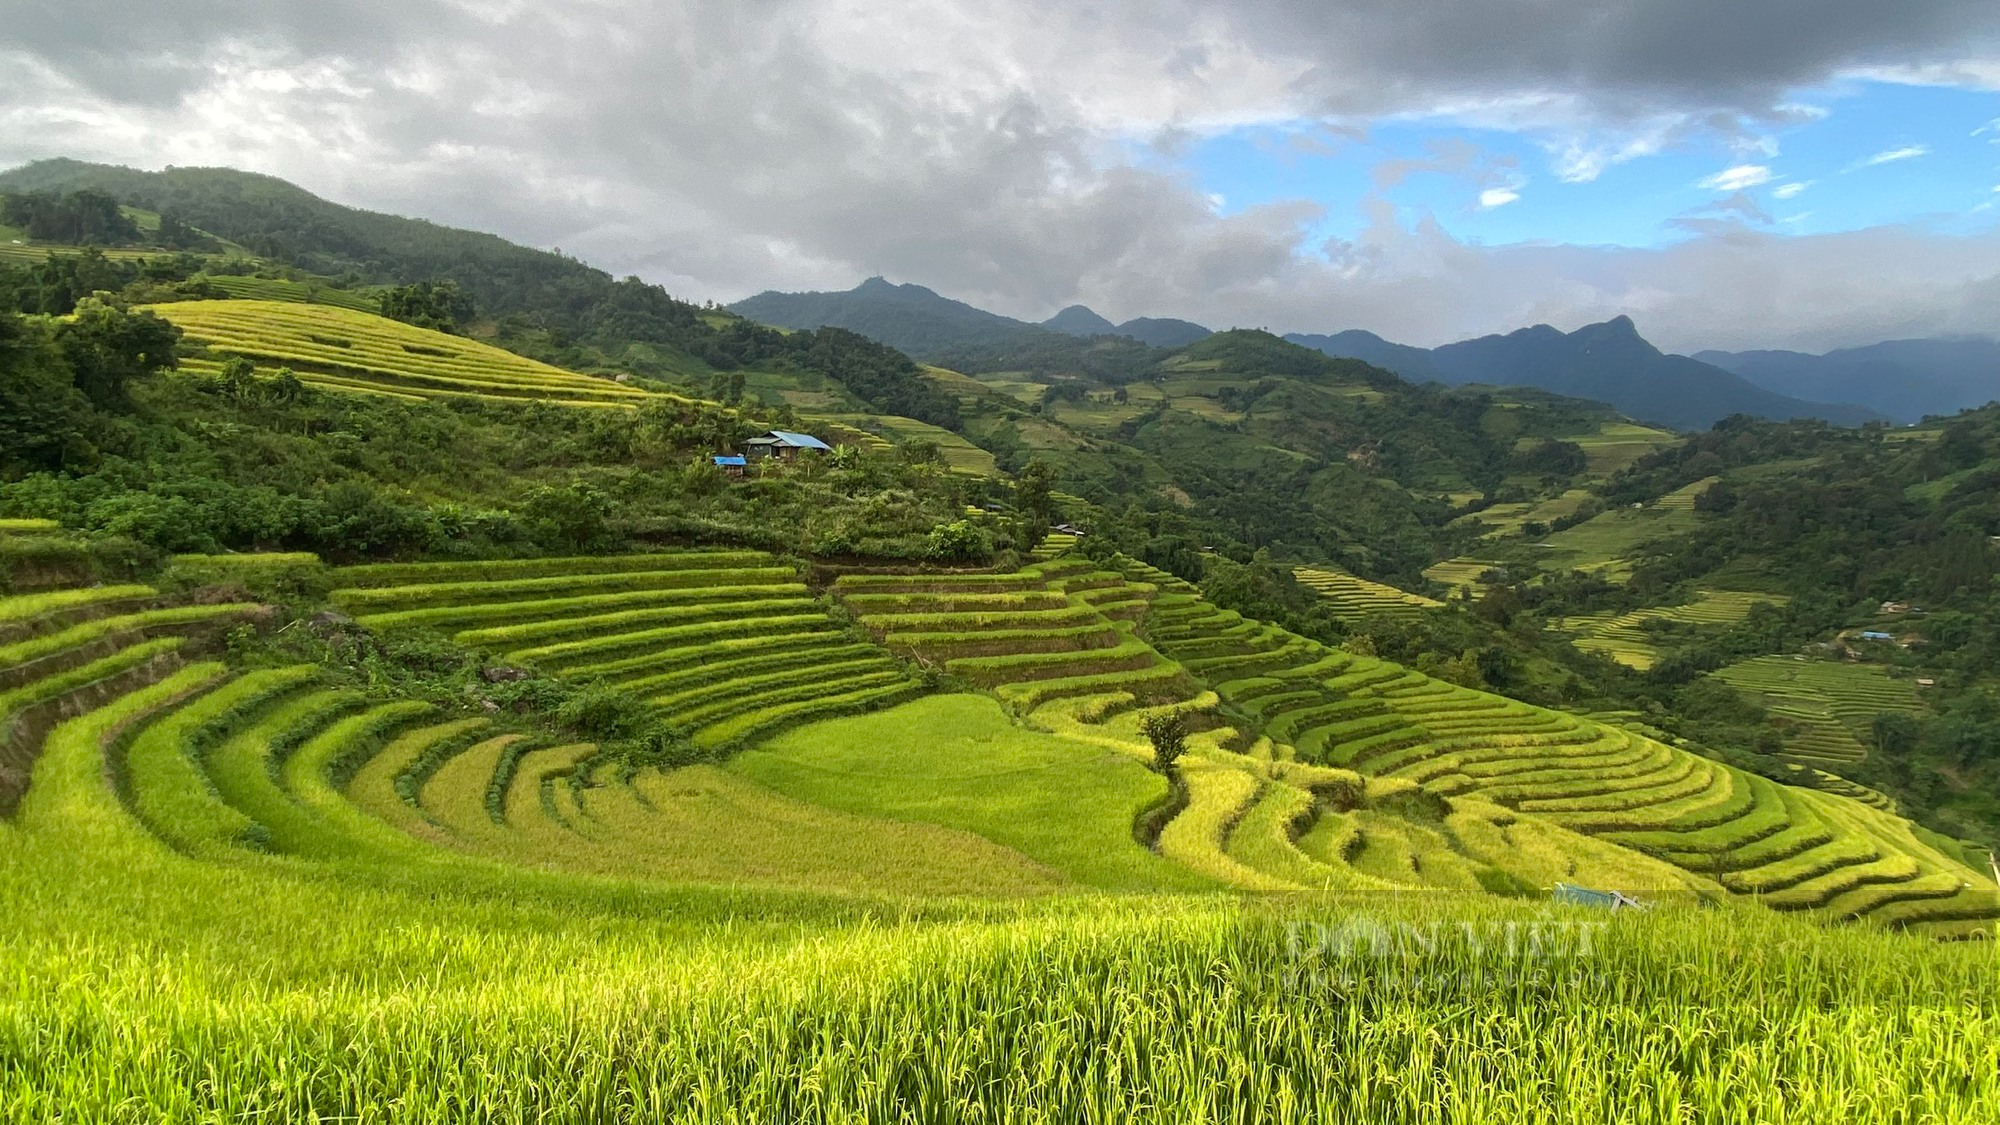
x=529, y=291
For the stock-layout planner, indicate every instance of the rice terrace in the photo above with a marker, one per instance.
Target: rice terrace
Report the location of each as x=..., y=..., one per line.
x=444, y=681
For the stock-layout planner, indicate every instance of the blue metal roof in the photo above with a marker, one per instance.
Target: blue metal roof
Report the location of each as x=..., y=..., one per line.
x=802, y=441
x=731, y=460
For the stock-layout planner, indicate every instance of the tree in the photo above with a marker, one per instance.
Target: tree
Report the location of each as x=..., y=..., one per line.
x=44, y=420
x=1034, y=498
x=572, y=517
x=78, y=218
x=437, y=305
x=1167, y=731
x=1896, y=733
x=107, y=347
x=958, y=541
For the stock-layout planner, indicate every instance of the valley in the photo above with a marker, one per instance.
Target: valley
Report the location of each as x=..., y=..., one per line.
x=1113, y=722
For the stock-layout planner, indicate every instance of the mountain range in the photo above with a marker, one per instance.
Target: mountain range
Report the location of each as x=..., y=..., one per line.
x=1609, y=362
x=925, y=324
x=1905, y=379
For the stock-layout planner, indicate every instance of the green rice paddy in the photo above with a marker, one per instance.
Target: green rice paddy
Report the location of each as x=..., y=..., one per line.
x=1623, y=637
x=1356, y=598
x=349, y=350
x=1828, y=706
x=239, y=893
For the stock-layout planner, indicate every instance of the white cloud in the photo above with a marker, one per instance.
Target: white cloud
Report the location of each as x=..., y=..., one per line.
x=1498, y=197
x=1891, y=156
x=1739, y=178
x=1020, y=153
x=1791, y=190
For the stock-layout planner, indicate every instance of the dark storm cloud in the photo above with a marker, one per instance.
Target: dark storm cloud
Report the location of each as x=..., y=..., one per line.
x=1627, y=54
x=722, y=146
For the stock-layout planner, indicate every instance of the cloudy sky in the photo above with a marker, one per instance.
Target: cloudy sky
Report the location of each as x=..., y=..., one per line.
x=1732, y=173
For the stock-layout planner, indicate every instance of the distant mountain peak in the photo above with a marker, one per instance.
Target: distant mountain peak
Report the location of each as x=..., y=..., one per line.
x=1080, y=320
x=879, y=286
x=1617, y=334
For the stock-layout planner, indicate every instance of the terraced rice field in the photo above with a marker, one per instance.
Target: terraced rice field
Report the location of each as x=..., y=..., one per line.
x=1829, y=706
x=1550, y=779
x=1610, y=542
x=726, y=645
x=239, y=895
x=1354, y=599
x=1053, y=544
x=1461, y=572
x=66, y=650
x=1623, y=637
x=29, y=253
x=1054, y=630
x=960, y=455
x=1508, y=519
x=1310, y=768
x=278, y=289
x=437, y=961
x=345, y=350
x=1617, y=445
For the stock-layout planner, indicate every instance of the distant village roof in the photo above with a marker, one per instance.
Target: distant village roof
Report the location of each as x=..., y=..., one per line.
x=730, y=459
x=795, y=440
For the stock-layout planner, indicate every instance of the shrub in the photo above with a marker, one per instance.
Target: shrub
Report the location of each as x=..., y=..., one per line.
x=958, y=541
x=573, y=518
x=1167, y=731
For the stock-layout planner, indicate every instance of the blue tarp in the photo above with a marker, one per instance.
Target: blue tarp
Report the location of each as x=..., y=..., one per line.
x=1574, y=895
x=726, y=462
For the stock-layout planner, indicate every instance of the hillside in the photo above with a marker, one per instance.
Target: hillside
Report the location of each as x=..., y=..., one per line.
x=1411, y=363
x=533, y=300
x=414, y=720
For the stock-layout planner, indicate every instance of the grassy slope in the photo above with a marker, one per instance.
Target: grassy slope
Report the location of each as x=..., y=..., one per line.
x=958, y=761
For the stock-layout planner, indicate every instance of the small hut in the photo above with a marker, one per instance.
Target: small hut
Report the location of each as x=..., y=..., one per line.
x=783, y=445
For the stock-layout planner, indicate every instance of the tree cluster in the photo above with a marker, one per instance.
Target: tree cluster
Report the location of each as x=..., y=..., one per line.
x=77, y=218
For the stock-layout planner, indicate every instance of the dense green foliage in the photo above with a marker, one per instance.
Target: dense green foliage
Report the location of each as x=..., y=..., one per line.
x=209, y=463
x=77, y=218
x=56, y=284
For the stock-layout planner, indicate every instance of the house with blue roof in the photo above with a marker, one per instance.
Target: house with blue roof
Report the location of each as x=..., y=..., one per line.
x=783, y=445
